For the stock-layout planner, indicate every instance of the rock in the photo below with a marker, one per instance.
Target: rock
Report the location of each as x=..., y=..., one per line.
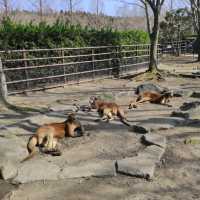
x=61, y=108
x=138, y=129
x=188, y=111
x=160, y=123
x=136, y=166
x=180, y=114
x=7, y=170
x=154, y=139
x=153, y=152
x=192, y=140
x=144, y=164
x=98, y=168
x=36, y=170
x=180, y=93
x=191, y=105
x=12, y=150
x=195, y=95
x=149, y=87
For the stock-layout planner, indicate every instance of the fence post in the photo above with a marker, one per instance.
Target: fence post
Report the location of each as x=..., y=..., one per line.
x=93, y=65
x=185, y=47
x=117, y=64
x=63, y=61
x=3, y=85
x=25, y=65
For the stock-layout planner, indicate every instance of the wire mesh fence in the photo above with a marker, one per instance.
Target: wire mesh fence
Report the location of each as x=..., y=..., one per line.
x=36, y=69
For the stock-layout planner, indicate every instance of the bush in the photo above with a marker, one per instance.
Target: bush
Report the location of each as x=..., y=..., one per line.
x=28, y=36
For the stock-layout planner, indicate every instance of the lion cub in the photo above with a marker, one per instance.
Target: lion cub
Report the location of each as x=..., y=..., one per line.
x=152, y=97
x=107, y=110
x=47, y=135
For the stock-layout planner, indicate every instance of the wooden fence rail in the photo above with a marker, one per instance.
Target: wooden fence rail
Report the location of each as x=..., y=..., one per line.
x=36, y=69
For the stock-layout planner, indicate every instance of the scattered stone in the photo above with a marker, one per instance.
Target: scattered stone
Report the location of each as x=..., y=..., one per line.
x=149, y=87
x=191, y=105
x=144, y=164
x=188, y=111
x=181, y=93
x=12, y=150
x=138, y=129
x=7, y=170
x=192, y=140
x=160, y=123
x=180, y=114
x=36, y=170
x=137, y=167
x=98, y=168
x=154, y=139
x=195, y=95
x=61, y=108
x=154, y=152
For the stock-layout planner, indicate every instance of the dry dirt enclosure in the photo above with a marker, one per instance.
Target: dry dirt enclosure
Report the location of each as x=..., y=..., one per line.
x=176, y=176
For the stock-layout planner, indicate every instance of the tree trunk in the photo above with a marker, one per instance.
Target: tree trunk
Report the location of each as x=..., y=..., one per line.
x=198, y=46
x=3, y=87
x=153, y=65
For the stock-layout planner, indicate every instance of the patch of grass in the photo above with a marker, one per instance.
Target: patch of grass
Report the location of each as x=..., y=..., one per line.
x=107, y=96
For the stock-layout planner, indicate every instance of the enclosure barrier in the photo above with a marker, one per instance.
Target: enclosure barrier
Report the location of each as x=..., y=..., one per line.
x=39, y=69
x=177, y=47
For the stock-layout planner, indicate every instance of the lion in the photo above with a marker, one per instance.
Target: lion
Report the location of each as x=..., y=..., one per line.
x=152, y=97
x=107, y=110
x=47, y=135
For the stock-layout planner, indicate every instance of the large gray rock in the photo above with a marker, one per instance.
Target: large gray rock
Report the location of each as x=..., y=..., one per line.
x=137, y=166
x=12, y=150
x=36, y=171
x=195, y=94
x=62, y=107
x=188, y=111
x=149, y=87
x=154, y=139
x=97, y=168
x=160, y=123
x=8, y=170
x=191, y=105
x=144, y=164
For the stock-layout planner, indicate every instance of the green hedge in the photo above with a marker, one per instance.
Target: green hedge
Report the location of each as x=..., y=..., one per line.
x=28, y=36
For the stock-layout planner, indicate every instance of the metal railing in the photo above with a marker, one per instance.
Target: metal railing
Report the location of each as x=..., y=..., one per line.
x=37, y=69
x=177, y=47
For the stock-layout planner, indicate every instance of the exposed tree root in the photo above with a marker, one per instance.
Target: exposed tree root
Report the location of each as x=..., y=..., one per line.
x=154, y=75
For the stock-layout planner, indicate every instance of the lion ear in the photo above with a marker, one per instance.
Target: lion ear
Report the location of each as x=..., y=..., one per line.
x=92, y=97
x=71, y=114
x=98, y=97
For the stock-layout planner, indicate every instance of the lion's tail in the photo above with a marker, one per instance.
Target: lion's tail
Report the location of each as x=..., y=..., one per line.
x=31, y=146
x=121, y=115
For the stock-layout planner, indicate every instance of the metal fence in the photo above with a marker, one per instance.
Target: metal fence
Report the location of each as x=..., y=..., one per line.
x=36, y=69
x=177, y=47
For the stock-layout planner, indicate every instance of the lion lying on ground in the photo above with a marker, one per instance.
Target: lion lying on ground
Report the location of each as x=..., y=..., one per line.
x=152, y=97
x=47, y=136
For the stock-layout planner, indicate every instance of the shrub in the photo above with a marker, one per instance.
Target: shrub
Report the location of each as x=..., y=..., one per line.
x=60, y=34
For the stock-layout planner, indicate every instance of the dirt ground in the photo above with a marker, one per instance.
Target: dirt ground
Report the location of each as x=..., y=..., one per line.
x=177, y=176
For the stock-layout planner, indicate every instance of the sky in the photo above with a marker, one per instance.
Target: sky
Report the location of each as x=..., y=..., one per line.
x=108, y=7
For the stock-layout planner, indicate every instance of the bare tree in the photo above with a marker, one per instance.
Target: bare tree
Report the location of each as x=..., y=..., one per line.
x=71, y=5
x=5, y=5
x=41, y=9
x=97, y=6
x=195, y=9
x=155, y=6
x=39, y=5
